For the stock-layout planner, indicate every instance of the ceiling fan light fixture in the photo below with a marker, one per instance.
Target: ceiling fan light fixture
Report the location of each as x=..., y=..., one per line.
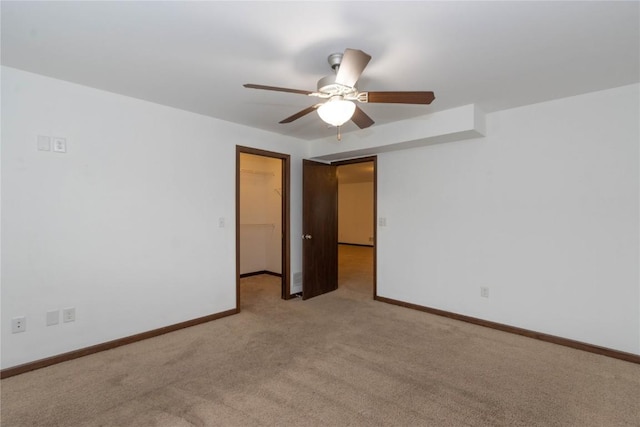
x=336, y=111
x=340, y=92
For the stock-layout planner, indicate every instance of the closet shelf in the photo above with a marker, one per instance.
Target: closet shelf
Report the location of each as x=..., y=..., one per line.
x=255, y=172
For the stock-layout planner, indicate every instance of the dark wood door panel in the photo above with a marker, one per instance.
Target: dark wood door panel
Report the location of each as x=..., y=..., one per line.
x=320, y=229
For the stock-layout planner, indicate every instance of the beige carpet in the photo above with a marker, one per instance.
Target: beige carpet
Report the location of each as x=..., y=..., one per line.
x=340, y=359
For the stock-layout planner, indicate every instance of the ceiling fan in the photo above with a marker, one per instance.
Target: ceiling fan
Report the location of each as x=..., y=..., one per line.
x=339, y=90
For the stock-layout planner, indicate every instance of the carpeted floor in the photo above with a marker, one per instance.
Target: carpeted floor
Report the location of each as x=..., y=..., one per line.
x=340, y=359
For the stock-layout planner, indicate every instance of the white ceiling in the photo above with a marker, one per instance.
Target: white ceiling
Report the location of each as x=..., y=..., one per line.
x=196, y=55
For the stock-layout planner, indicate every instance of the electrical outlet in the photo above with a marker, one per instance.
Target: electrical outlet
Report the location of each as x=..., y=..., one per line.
x=59, y=145
x=18, y=324
x=69, y=315
x=484, y=292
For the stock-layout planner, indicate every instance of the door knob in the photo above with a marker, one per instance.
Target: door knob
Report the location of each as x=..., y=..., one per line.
x=306, y=236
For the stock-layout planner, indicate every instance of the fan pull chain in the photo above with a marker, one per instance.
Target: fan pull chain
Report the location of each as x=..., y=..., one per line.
x=339, y=136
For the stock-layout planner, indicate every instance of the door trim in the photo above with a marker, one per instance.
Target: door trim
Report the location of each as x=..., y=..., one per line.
x=373, y=159
x=285, y=217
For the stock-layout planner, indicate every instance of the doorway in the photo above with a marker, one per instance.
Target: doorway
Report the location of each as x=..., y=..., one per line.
x=320, y=261
x=262, y=217
x=357, y=225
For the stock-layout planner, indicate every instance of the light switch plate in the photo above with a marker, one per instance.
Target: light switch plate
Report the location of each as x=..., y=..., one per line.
x=44, y=143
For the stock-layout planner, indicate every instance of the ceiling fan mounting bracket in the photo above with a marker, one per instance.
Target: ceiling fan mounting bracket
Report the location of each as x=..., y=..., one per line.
x=335, y=59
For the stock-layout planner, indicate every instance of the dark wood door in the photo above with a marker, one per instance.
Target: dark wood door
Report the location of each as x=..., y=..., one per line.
x=319, y=229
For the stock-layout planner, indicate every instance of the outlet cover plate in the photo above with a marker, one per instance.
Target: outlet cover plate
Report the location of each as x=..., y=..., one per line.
x=69, y=315
x=18, y=324
x=59, y=145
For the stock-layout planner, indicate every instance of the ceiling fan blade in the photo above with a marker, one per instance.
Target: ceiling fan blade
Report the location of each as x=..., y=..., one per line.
x=353, y=64
x=361, y=119
x=299, y=114
x=277, y=89
x=401, y=97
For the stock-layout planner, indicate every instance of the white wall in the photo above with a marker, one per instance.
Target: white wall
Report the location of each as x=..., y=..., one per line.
x=544, y=211
x=355, y=213
x=124, y=226
x=260, y=214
